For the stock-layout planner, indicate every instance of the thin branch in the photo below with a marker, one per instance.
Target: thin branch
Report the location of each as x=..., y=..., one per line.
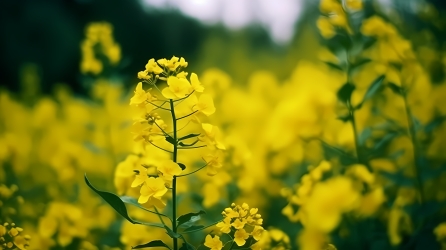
x=202, y=146
x=185, y=97
x=165, y=133
x=196, y=230
x=187, y=115
x=161, y=219
x=193, y=171
x=160, y=147
x=160, y=107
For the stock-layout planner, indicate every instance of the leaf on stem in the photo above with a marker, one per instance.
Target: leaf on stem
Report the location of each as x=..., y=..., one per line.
x=395, y=88
x=186, y=220
x=345, y=92
x=171, y=140
x=171, y=233
x=155, y=243
x=188, y=145
x=193, y=228
x=182, y=166
x=334, y=66
x=134, y=202
x=118, y=205
x=187, y=246
x=373, y=89
x=188, y=136
x=359, y=63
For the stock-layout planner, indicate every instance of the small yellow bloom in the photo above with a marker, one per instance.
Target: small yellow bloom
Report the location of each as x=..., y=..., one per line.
x=140, y=95
x=213, y=243
x=141, y=177
x=13, y=232
x=240, y=237
x=182, y=74
x=225, y=225
x=325, y=27
x=20, y=242
x=183, y=63
x=143, y=75
x=205, y=105
x=169, y=169
x=257, y=232
x=212, y=136
x=214, y=162
x=178, y=88
x=152, y=66
x=195, y=83
x=152, y=187
x=237, y=224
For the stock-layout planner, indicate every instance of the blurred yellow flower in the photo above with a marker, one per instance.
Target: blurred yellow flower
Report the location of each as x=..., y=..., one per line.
x=240, y=237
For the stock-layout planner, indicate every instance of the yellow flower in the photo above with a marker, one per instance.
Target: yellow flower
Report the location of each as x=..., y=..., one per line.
x=141, y=176
x=152, y=187
x=172, y=63
x=371, y=201
x=214, y=162
x=325, y=27
x=20, y=242
x=152, y=66
x=257, y=232
x=225, y=225
x=213, y=243
x=354, y=4
x=183, y=63
x=144, y=75
x=2, y=230
x=195, y=83
x=237, y=224
x=162, y=62
x=361, y=172
x=169, y=169
x=440, y=231
x=13, y=232
x=212, y=136
x=140, y=95
x=240, y=237
x=178, y=88
x=182, y=74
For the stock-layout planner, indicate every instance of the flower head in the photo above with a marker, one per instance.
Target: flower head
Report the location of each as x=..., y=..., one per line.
x=213, y=243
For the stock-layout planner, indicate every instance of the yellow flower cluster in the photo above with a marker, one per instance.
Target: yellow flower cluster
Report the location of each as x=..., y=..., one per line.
x=11, y=238
x=334, y=15
x=98, y=39
x=244, y=222
x=9, y=200
x=440, y=233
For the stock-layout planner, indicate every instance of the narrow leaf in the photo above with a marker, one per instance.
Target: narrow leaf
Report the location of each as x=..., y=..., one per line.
x=182, y=166
x=118, y=205
x=188, y=136
x=171, y=233
x=170, y=140
x=365, y=134
x=134, y=202
x=193, y=228
x=373, y=88
x=189, y=218
x=334, y=66
x=359, y=63
x=345, y=92
x=395, y=88
x=187, y=145
x=187, y=246
x=155, y=243
x=345, y=118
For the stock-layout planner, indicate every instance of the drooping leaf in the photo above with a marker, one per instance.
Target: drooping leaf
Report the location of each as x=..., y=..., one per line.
x=374, y=87
x=134, y=202
x=118, y=205
x=193, y=228
x=171, y=233
x=398, y=178
x=170, y=140
x=334, y=152
x=182, y=166
x=155, y=243
x=188, y=136
x=434, y=124
x=365, y=134
x=345, y=92
x=368, y=43
x=395, y=88
x=187, y=145
x=186, y=220
x=345, y=118
x=359, y=63
x=334, y=66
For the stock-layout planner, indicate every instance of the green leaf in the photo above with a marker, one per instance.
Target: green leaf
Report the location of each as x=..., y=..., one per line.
x=171, y=233
x=170, y=140
x=398, y=178
x=118, y=205
x=345, y=92
x=193, y=228
x=345, y=118
x=359, y=63
x=334, y=66
x=373, y=88
x=395, y=88
x=188, y=136
x=155, y=243
x=186, y=220
x=365, y=134
x=334, y=152
x=187, y=246
x=182, y=166
x=134, y=202
x=187, y=145
x=368, y=43
x=434, y=124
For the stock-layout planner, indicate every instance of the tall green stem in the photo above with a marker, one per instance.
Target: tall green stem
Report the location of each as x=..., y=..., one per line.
x=174, y=181
x=412, y=135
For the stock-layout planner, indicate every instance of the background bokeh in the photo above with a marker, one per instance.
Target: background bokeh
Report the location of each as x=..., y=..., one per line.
x=274, y=70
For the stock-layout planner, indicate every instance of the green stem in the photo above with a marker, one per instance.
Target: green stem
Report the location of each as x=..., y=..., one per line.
x=174, y=181
x=412, y=135
x=193, y=171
